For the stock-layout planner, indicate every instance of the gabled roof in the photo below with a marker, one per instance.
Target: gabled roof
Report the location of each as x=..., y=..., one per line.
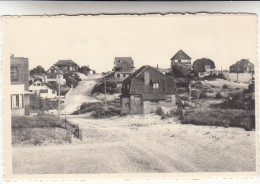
x=180, y=55
x=68, y=62
x=137, y=86
x=199, y=64
x=119, y=60
x=56, y=68
x=244, y=63
x=124, y=64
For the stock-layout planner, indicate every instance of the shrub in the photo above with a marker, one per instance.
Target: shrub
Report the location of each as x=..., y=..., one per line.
x=219, y=117
x=195, y=93
x=203, y=94
x=225, y=86
x=111, y=88
x=41, y=104
x=218, y=95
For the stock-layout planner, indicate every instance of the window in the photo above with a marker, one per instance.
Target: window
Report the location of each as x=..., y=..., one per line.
x=154, y=102
x=34, y=84
x=155, y=85
x=53, y=92
x=124, y=74
x=52, y=70
x=168, y=99
x=17, y=101
x=51, y=76
x=44, y=91
x=118, y=75
x=38, y=84
x=14, y=74
x=137, y=100
x=179, y=60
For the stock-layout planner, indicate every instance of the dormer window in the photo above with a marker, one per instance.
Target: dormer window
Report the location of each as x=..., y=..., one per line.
x=155, y=85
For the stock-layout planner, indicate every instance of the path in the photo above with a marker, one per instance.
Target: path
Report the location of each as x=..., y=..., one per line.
x=81, y=94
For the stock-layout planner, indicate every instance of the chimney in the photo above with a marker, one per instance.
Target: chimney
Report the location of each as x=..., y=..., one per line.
x=146, y=78
x=11, y=56
x=157, y=66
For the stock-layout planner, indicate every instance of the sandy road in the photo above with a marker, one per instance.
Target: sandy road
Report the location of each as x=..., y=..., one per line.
x=141, y=144
x=81, y=94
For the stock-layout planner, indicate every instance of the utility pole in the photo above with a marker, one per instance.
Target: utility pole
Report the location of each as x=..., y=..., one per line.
x=237, y=75
x=105, y=84
x=59, y=99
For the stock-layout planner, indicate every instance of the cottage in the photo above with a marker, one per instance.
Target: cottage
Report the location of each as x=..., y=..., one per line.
x=146, y=90
x=123, y=67
x=43, y=90
x=242, y=66
x=54, y=75
x=67, y=65
x=20, y=96
x=181, y=59
x=204, y=67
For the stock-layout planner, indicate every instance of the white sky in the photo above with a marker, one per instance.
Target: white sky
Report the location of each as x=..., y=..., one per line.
x=149, y=40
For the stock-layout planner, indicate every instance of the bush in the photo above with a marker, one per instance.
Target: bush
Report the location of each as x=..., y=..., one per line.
x=218, y=95
x=45, y=120
x=111, y=88
x=219, y=117
x=203, y=95
x=225, y=86
x=41, y=104
x=195, y=93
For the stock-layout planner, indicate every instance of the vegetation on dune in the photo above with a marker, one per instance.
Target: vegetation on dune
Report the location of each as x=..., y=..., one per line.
x=111, y=88
x=72, y=79
x=37, y=70
x=219, y=117
x=42, y=104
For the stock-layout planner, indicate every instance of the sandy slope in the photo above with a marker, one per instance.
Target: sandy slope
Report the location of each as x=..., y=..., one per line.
x=81, y=94
x=142, y=143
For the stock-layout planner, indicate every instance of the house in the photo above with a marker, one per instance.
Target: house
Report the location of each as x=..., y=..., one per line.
x=43, y=90
x=67, y=65
x=123, y=67
x=19, y=91
x=146, y=90
x=204, y=67
x=181, y=58
x=54, y=75
x=242, y=66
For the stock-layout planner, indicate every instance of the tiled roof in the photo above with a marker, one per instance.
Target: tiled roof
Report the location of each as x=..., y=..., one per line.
x=127, y=59
x=68, y=62
x=180, y=55
x=136, y=81
x=124, y=64
x=199, y=64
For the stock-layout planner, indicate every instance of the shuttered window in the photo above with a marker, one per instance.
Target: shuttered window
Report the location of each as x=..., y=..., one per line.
x=17, y=101
x=14, y=74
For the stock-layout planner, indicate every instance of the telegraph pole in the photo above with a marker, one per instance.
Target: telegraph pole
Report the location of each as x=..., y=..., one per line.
x=59, y=99
x=105, y=84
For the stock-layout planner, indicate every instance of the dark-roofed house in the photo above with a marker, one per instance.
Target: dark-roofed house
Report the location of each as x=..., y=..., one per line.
x=123, y=67
x=181, y=58
x=204, y=67
x=242, y=66
x=67, y=65
x=54, y=74
x=146, y=90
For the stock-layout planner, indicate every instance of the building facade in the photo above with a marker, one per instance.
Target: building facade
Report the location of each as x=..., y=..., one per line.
x=181, y=59
x=242, y=66
x=146, y=90
x=123, y=67
x=54, y=75
x=19, y=76
x=42, y=90
x=204, y=67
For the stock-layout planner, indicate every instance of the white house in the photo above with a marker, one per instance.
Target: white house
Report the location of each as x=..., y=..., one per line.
x=54, y=74
x=42, y=90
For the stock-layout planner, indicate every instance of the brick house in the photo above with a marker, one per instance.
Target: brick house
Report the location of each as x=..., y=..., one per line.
x=146, y=90
x=20, y=96
x=54, y=74
x=181, y=59
x=242, y=66
x=123, y=67
x=67, y=65
x=204, y=67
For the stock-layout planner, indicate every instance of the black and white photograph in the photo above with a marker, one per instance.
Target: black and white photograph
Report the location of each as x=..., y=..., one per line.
x=130, y=94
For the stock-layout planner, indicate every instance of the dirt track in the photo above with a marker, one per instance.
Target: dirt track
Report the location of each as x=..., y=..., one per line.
x=141, y=143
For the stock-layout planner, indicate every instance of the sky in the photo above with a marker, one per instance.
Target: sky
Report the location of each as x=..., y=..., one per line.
x=149, y=40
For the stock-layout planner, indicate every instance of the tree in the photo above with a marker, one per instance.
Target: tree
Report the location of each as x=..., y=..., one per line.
x=37, y=70
x=181, y=72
